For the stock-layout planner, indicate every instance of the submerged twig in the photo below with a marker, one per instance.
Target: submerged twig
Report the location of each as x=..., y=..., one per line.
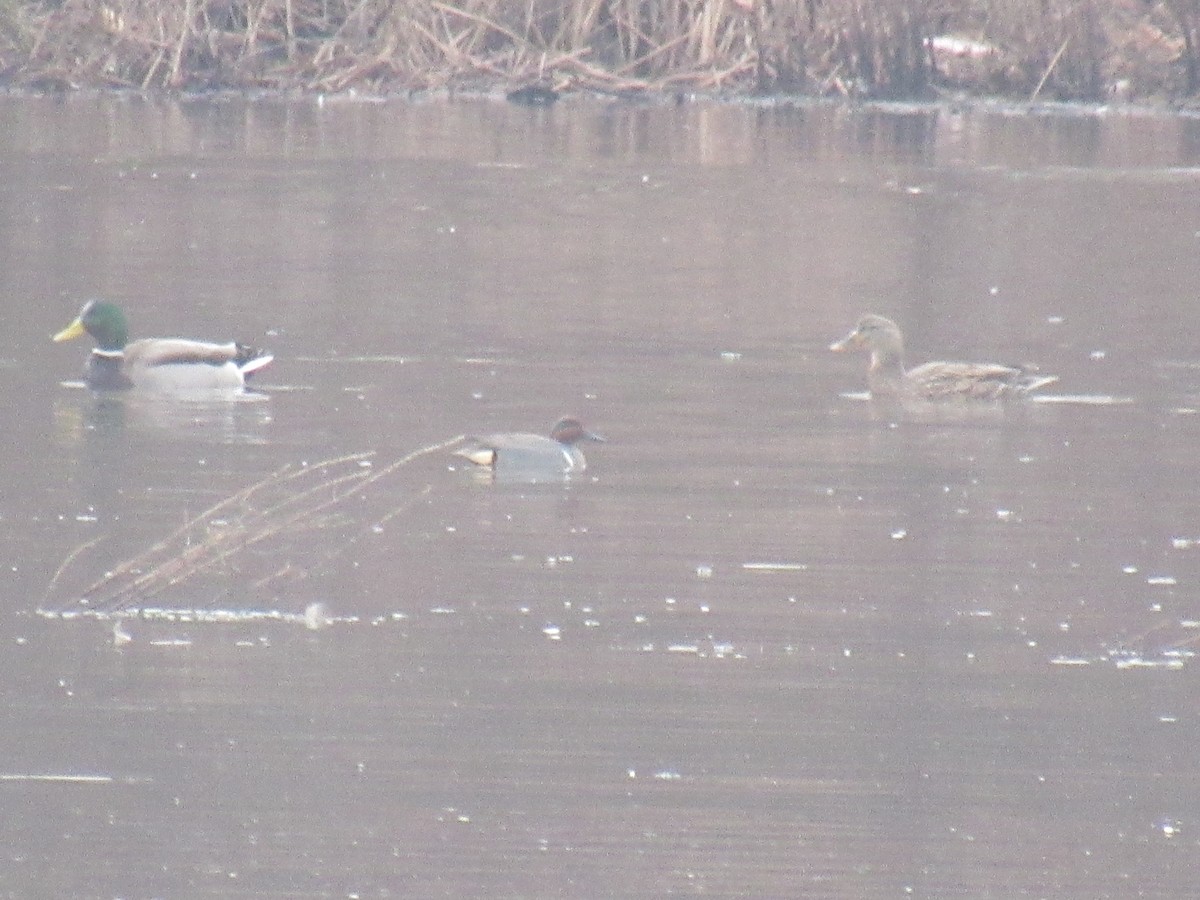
x=280, y=476
x=299, y=574
x=65, y=564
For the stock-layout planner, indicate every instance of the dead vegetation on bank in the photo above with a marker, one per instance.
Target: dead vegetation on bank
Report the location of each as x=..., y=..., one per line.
x=1054, y=49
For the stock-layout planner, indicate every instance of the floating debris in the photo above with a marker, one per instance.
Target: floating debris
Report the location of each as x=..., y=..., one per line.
x=1170, y=828
x=1081, y=399
x=120, y=635
x=193, y=617
x=1179, y=654
x=59, y=779
x=1138, y=662
x=317, y=616
x=775, y=567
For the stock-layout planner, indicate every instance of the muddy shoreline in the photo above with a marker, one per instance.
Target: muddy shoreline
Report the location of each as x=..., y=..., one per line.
x=500, y=93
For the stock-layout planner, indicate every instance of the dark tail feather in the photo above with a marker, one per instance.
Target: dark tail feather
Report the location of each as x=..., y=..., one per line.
x=251, y=359
x=1030, y=379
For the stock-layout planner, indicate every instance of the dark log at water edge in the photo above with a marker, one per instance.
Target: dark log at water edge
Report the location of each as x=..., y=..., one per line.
x=1097, y=50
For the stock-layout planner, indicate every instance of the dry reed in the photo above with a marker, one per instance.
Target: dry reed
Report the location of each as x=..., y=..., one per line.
x=1081, y=49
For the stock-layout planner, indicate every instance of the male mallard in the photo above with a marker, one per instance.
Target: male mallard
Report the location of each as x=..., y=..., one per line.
x=158, y=364
x=887, y=376
x=532, y=452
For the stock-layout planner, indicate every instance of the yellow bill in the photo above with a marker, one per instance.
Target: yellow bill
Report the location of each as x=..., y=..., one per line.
x=72, y=331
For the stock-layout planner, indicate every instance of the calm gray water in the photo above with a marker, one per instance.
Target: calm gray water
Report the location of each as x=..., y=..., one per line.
x=772, y=643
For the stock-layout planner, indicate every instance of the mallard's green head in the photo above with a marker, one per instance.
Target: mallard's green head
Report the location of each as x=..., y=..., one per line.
x=103, y=321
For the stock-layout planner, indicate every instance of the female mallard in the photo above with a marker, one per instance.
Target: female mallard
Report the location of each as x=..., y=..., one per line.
x=157, y=364
x=936, y=381
x=532, y=453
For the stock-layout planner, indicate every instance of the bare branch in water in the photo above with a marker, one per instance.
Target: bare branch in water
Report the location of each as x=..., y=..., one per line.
x=316, y=497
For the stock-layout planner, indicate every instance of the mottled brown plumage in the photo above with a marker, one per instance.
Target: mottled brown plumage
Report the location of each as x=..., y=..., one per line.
x=933, y=381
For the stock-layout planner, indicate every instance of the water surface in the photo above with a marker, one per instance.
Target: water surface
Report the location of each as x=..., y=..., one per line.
x=771, y=643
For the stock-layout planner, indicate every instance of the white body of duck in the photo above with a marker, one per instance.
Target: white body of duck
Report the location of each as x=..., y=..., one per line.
x=157, y=364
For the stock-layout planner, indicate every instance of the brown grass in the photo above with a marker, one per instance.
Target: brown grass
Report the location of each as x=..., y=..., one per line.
x=1067, y=49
